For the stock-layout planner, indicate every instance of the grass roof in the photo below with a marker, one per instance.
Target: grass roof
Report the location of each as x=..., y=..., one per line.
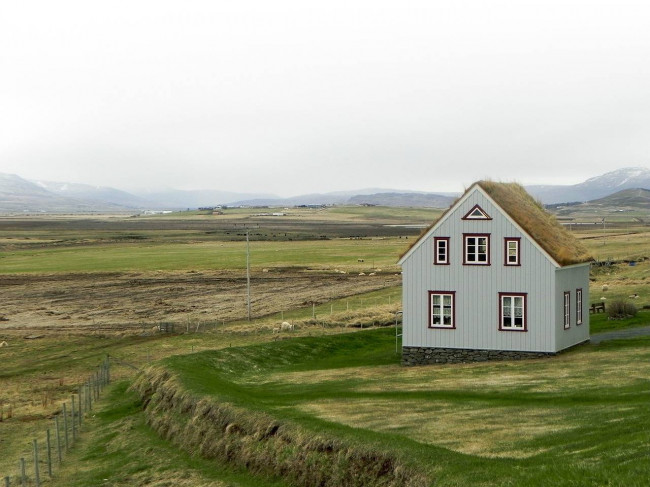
x=537, y=222
x=531, y=216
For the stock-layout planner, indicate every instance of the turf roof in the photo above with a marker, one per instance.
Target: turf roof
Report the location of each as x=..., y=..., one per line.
x=531, y=216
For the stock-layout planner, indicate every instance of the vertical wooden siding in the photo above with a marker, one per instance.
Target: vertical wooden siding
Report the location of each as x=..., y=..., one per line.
x=569, y=279
x=477, y=287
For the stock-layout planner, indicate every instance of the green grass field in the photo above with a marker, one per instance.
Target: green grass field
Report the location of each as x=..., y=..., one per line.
x=343, y=254
x=577, y=419
x=581, y=418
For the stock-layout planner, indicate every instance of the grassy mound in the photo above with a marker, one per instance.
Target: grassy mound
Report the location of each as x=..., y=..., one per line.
x=207, y=413
x=339, y=410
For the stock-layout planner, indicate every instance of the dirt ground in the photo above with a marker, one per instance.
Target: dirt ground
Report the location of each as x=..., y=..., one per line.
x=136, y=301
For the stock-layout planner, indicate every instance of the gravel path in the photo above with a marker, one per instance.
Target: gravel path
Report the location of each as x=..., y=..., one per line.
x=613, y=335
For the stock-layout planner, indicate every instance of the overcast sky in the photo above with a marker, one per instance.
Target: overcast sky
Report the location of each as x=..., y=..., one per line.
x=292, y=97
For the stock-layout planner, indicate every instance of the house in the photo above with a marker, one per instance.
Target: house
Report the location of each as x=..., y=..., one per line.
x=496, y=277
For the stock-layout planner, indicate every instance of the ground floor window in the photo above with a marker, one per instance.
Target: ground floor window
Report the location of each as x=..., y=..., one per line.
x=512, y=311
x=578, y=306
x=442, y=309
x=567, y=310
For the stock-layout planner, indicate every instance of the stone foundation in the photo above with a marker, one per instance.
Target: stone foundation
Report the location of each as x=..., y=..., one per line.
x=427, y=356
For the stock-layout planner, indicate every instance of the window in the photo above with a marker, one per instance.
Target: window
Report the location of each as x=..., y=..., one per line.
x=578, y=306
x=441, y=250
x=511, y=251
x=567, y=310
x=476, y=249
x=441, y=306
x=512, y=312
x=477, y=213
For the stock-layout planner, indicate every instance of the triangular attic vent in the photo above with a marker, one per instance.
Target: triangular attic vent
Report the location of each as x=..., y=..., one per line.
x=477, y=213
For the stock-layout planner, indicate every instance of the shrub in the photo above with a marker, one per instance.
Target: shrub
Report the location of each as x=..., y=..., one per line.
x=621, y=309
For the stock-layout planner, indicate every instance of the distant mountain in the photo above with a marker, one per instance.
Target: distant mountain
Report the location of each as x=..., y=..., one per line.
x=368, y=196
x=102, y=194
x=20, y=195
x=182, y=199
x=594, y=188
x=17, y=195
x=636, y=198
x=423, y=200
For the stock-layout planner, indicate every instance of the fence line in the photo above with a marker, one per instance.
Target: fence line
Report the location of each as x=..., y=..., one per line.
x=80, y=403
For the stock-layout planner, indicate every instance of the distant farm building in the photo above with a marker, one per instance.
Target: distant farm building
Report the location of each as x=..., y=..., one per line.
x=495, y=277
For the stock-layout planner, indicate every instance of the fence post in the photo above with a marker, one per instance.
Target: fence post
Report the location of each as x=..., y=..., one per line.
x=65, y=427
x=74, y=421
x=81, y=409
x=7, y=482
x=58, y=438
x=23, y=475
x=37, y=476
x=49, y=454
x=89, y=399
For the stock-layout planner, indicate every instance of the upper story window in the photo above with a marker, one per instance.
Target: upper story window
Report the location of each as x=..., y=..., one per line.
x=477, y=213
x=476, y=249
x=512, y=312
x=442, y=312
x=441, y=250
x=511, y=247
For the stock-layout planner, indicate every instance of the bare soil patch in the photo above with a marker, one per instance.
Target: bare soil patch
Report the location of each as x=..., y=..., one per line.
x=133, y=301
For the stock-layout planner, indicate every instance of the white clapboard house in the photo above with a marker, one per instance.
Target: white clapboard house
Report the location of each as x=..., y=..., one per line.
x=495, y=277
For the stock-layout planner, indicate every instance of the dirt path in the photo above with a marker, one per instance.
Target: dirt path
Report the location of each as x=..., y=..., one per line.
x=614, y=335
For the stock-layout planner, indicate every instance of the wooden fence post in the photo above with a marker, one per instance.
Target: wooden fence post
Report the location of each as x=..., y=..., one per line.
x=37, y=476
x=81, y=409
x=58, y=438
x=65, y=427
x=74, y=421
x=89, y=398
x=49, y=454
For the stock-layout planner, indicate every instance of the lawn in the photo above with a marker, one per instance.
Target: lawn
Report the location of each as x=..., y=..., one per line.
x=581, y=418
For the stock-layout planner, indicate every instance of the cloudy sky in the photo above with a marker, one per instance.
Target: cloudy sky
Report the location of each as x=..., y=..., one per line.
x=291, y=97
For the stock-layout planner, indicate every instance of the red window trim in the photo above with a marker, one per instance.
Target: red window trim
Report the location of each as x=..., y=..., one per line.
x=566, y=308
x=579, y=306
x=453, y=311
x=435, y=250
x=525, y=296
x=474, y=208
x=487, y=235
x=506, y=240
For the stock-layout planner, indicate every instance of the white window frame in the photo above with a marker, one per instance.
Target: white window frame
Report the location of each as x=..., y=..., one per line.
x=579, y=306
x=441, y=242
x=517, y=247
x=473, y=258
x=517, y=301
x=437, y=308
x=567, y=310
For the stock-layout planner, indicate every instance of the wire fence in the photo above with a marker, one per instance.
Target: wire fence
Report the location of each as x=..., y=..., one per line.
x=49, y=451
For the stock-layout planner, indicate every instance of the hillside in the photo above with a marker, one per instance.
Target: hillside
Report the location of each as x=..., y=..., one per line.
x=593, y=188
x=17, y=195
x=420, y=200
x=628, y=198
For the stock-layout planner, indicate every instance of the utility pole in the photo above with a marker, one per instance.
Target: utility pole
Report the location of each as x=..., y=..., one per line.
x=248, y=276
